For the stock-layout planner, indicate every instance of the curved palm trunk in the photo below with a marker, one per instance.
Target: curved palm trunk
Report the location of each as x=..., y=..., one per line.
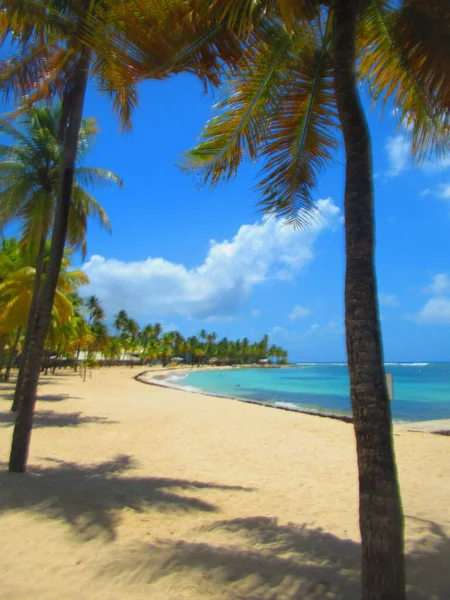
x=37, y=335
x=381, y=516
x=13, y=354
x=20, y=384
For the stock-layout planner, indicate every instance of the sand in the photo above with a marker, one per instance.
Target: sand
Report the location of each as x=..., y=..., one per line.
x=136, y=491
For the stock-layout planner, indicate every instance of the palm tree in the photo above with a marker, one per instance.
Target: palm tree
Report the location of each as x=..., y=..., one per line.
x=29, y=184
x=16, y=291
x=294, y=89
x=121, y=320
x=114, y=348
x=157, y=330
x=119, y=42
x=211, y=338
x=94, y=308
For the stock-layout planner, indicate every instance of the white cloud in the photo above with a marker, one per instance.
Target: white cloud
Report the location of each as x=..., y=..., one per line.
x=330, y=330
x=218, y=288
x=398, y=149
x=388, y=299
x=399, y=153
x=436, y=310
x=439, y=286
x=440, y=191
x=433, y=166
x=256, y=312
x=299, y=312
x=444, y=191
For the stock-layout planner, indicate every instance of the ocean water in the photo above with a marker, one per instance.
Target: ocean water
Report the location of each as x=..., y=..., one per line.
x=421, y=390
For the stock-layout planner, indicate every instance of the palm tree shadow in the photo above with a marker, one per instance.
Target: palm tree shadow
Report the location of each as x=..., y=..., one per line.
x=7, y=390
x=50, y=418
x=90, y=498
x=279, y=562
x=57, y=397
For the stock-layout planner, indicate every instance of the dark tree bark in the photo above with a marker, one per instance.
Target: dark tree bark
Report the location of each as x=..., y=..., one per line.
x=381, y=516
x=20, y=384
x=24, y=421
x=13, y=354
x=2, y=352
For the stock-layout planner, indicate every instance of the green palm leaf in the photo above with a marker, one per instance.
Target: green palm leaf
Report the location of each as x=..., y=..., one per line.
x=87, y=176
x=303, y=133
x=410, y=74
x=243, y=111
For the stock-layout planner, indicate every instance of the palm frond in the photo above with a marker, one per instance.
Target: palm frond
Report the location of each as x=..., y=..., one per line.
x=28, y=21
x=157, y=39
x=25, y=75
x=241, y=15
x=91, y=176
x=303, y=133
x=243, y=111
x=36, y=217
x=408, y=71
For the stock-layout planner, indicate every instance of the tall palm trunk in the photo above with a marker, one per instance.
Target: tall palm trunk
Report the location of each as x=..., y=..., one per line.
x=20, y=385
x=24, y=421
x=13, y=354
x=2, y=351
x=380, y=509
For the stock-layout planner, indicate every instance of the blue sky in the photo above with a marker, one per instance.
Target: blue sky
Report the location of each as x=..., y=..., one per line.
x=193, y=257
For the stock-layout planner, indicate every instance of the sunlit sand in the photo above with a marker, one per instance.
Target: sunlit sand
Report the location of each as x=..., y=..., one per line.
x=135, y=491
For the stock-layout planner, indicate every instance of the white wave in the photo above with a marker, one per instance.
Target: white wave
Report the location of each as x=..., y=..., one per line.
x=312, y=364
x=288, y=405
x=399, y=364
x=175, y=378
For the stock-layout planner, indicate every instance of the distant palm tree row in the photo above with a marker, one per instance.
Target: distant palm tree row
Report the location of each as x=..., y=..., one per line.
x=150, y=344
x=78, y=326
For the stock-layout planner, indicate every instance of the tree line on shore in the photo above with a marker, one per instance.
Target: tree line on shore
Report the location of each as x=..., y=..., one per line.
x=78, y=325
x=290, y=75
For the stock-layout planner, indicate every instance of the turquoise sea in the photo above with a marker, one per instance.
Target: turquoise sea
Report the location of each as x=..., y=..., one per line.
x=421, y=390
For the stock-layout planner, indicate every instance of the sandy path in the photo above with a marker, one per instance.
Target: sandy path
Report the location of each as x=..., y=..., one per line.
x=136, y=491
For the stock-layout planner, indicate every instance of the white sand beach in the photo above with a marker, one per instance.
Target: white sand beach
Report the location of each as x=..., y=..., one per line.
x=136, y=491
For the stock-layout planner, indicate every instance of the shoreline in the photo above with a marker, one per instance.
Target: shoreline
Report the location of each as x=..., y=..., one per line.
x=158, y=377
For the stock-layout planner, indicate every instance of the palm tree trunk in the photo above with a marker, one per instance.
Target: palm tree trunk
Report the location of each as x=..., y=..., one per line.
x=20, y=384
x=2, y=352
x=380, y=509
x=13, y=354
x=24, y=421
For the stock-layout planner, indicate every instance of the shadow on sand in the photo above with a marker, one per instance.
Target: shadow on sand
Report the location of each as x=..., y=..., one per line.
x=90, y=498
x=263, y=560
x=50, y=418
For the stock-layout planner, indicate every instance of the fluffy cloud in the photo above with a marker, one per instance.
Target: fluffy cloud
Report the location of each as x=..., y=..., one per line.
x=299, y=312
x=433, y=166
x=436, y=310
x=444, y=191
x=441, y=191
x=398, y=149
x=439, y=286
x=218, y=288
x=388, y=299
